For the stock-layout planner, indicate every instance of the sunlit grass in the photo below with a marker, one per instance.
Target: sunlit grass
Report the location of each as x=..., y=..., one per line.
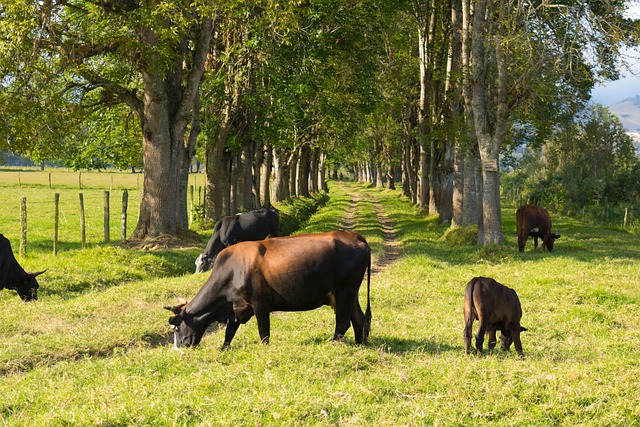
x=96, y=348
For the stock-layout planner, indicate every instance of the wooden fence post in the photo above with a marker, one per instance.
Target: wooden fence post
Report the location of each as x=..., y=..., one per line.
x=83, y=232
x=125, y=203
x=49, y=180
x=56, y=211
x=23, y=222
x=106, y=217
x=626, y=217
x=191, y=207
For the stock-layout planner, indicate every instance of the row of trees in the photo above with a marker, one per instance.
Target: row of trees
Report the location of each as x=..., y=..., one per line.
x=587, y=161
x=271, y=95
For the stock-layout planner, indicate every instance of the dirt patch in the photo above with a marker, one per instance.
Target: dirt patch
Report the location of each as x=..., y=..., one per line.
x=392, y=247
x=164, y=242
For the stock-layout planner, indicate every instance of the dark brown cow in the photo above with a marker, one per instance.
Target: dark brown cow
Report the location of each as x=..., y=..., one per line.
x=534, y=221
x=496, y=307
x=12, y=276
x=294, y=273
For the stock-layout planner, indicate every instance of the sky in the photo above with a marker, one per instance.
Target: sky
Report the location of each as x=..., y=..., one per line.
x=628, y=85
x=614, y=92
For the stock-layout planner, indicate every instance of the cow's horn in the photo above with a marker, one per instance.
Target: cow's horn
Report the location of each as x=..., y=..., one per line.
x=38, y=273
x=180, y=300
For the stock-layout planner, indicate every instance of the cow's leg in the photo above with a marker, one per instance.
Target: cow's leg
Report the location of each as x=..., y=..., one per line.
x=467, y=337
x=515, y=334
x=264, y=323
x=482, y=329
x=492, y=338
x=357, y=320
x=522, y=241
x=343, y=309
x=229, y=333
x=535, y=243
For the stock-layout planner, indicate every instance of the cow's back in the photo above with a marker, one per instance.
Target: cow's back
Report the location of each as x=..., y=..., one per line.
x=299, y=271
x=495, y=302
x=530, y=217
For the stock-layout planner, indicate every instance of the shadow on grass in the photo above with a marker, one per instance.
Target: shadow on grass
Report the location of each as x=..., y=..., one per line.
x=396, y=345
x=391, y=345
x=49, y=359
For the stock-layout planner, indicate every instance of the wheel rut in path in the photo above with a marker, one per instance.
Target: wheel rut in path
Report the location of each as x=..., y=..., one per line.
x=392, y=249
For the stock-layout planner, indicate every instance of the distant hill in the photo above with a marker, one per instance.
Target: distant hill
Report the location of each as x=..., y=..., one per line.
x=628, y=110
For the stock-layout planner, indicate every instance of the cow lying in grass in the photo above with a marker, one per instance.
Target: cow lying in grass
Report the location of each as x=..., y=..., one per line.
x=496, y=307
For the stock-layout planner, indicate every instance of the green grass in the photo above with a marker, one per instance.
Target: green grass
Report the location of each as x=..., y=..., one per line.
x=96, y=349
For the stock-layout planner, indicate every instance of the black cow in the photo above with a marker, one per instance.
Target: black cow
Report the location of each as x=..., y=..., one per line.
x=294, y=273
x=12, y=276
x=496, y=307
x=534, y=221
x=252, y=225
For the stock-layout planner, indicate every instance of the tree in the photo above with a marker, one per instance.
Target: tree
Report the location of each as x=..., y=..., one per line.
x=522, y=55
x=148, y=56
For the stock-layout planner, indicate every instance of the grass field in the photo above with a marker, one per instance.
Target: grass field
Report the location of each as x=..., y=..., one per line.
x=96, y=348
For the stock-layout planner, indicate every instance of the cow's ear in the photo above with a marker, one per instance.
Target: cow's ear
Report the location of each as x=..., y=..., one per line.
x=175, y=320
x=522, y=329
x=556, y=236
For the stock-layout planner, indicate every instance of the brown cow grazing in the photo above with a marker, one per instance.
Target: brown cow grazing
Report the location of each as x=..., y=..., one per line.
x=534, y=221
x=294, y=273
x=496, y=307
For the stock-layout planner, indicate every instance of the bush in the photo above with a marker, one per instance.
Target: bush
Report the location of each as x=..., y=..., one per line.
x=461, y=236
x=296, y=211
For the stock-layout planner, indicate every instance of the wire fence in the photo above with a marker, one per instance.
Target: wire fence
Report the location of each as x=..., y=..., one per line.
x=59, y=211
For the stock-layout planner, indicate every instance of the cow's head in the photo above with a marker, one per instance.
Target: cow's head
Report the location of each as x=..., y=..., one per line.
x=507, y=339
x=203, y=263
x=187, y=329
x=552, y=237
x=28, y=286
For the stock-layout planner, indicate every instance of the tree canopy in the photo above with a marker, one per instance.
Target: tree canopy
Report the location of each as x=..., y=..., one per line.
x=420, y=91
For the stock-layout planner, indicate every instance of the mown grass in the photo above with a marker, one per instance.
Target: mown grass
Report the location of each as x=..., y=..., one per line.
x=96, y=349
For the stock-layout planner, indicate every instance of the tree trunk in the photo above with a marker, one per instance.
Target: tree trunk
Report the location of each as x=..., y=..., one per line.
x=265, y=176
x=281, y=176
x=246, y=165
x=488, y=141
x=379, y=180
x=293, y=173
x=304, y=160
x=471, y=195
x=167, y=110
x=458, y=188
x=391, y=181
x=444, y=200
x=322, y=172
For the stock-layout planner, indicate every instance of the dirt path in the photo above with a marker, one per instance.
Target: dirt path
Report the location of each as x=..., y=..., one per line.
x=392, y=248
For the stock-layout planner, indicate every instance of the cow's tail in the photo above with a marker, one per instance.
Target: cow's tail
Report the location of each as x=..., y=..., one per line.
x=519, y=220
x=469, y=305
x=367, y=314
